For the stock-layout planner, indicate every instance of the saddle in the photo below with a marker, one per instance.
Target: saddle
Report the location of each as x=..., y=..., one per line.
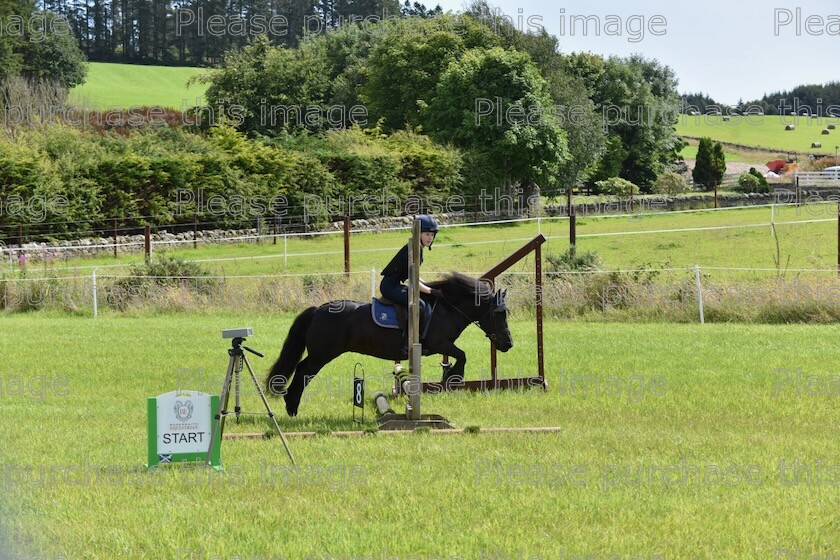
x=390, y=315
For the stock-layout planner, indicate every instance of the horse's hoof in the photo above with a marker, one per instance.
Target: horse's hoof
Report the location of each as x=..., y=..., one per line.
x=291, y=408
x=451, y=379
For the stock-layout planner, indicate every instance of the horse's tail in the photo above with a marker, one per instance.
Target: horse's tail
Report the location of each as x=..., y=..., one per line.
x=293, y=348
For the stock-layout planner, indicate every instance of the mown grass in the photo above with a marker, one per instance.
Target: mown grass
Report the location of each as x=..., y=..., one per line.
x=476, y=249
x=681, y=396
x=766, y=131
x=110, y=85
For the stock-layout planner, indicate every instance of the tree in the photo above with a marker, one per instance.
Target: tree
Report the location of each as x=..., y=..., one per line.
x=419, y=52
x=169, y=31
x=572, y=104
x=587, y=139
x=44, y=52
x=420, y=10
x=710, y=165
x=494, y=102
x=11, y=60
x=403, y=72
x=702, y=173
x=718, y=162
x=54, y=56
x=639, y=103
x=272, y=88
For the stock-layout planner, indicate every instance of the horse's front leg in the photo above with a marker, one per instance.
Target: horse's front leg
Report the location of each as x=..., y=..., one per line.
x=456, y=372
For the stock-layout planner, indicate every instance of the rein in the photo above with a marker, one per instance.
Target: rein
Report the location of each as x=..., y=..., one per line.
x=475, y=322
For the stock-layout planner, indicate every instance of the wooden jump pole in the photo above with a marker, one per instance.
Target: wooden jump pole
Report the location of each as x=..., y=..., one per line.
x=347, y=245
x=413, y=410
x=508, y=383
x=413, y=386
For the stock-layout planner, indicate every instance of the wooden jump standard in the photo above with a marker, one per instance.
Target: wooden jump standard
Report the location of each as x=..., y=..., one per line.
x=495, y=382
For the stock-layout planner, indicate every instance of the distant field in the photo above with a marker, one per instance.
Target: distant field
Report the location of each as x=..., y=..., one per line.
x=734, y=154
x=690, y=152
x=127, y=85
x=475, y=249
x=766, y=132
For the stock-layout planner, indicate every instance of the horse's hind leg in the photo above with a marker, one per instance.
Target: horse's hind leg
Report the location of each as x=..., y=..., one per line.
x=294, y=391
x=306, y=370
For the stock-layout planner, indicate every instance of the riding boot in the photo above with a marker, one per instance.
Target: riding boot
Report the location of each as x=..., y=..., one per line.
x=404, y=347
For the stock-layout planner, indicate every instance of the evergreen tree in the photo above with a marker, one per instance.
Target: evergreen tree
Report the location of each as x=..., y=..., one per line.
x=710, y=166
x=703, y=169
x=718, y=162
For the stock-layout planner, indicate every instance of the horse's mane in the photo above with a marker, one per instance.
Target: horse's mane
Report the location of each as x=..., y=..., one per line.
x=460, y=286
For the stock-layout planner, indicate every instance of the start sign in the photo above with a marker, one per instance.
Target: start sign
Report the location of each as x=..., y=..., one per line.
x=179, y=426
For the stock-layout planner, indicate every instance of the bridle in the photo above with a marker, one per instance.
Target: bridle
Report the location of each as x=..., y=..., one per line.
x=477, y=322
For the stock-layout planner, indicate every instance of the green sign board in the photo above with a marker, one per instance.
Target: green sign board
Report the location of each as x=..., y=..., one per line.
x=179, y=427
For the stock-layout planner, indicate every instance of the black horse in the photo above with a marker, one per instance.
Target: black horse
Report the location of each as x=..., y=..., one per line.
x=337, y=327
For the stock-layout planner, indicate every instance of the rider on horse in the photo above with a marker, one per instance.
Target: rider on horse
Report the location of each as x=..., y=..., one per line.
x=396, y=272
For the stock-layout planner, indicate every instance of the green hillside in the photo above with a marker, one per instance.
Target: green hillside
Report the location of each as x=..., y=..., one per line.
x=767, y=131
x=127, y=85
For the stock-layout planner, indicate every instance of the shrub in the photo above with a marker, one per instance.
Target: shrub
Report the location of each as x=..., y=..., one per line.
x=30, y=294
x=670, y=183
x=174, y=174
x=749, y=183
x=572, y=261
x=617, y=186
x=757, y=174
x=429, y=168
x=157, y=278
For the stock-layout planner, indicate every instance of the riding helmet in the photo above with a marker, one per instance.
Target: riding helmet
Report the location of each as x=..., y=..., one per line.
x=427, y=223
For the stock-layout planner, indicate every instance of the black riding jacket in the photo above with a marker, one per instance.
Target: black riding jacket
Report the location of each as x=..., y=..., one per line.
x=398, y=267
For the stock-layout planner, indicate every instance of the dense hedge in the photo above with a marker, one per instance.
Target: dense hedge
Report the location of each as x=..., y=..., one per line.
x=75, y=180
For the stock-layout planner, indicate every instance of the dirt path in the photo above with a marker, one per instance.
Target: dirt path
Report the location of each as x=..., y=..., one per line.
x=733, y=168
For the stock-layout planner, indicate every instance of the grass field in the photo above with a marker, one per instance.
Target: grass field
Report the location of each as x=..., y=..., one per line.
x=733, y=154
x=476, y=249
x=133, y=85
x=691, y=444
x=767, y=131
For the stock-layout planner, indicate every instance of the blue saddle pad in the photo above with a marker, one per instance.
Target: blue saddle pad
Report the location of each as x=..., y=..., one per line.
x=385, y=315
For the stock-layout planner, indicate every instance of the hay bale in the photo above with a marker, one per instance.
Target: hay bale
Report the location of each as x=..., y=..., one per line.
x=826, y=132
x=832, y=127
x=790, y=127
x=727, y=119
x=816, y=144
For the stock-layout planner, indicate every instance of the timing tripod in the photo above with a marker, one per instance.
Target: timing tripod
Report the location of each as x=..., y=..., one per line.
x=237, y=358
